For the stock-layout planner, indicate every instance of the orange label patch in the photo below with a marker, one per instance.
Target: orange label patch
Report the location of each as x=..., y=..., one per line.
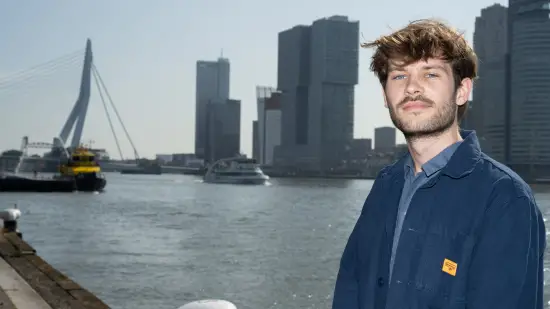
x=449, y=267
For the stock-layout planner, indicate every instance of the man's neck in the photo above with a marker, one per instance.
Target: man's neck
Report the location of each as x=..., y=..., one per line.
x=424, y=149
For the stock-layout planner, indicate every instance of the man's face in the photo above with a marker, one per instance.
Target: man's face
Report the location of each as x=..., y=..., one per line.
x=422, y=98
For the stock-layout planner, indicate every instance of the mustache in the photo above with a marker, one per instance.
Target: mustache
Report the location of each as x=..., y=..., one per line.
x=419, y=98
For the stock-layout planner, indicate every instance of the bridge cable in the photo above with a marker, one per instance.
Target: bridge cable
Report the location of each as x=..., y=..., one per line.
x=48, y=64
x=107, y=112
x=116, y=111
x=7, y=87
x=25, y=89
x=26, y=79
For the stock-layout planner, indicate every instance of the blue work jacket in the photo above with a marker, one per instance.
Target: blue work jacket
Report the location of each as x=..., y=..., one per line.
x=473, y=237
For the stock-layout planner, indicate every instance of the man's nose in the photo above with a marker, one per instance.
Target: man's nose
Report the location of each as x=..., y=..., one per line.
x=414, y=87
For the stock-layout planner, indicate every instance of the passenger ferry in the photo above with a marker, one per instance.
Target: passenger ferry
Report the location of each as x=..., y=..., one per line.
x=236, y=170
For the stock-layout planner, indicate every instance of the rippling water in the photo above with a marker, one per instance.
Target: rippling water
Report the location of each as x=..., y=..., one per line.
x=162, y=241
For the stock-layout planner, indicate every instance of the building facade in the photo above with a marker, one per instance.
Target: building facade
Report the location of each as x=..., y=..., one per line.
x=255, y=141
x=272, y=130
x=384, y=139
x=223, y=130
x=529, y=26
x=488, y=115
x=293, y=71
x=212, y=85
x=317, y=74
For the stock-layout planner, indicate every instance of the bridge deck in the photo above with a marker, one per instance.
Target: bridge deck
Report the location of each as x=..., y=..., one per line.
x=29, y=282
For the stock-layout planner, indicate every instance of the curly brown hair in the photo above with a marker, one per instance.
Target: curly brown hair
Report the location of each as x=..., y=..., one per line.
x=420, y=40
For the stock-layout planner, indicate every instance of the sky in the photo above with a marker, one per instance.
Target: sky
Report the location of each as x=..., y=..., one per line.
x=146, y=53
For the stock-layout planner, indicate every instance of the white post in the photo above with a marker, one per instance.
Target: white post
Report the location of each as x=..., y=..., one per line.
x=209, y=304
x=10, y=217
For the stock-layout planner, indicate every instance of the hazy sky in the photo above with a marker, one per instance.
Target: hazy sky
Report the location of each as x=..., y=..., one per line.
x=146, y=52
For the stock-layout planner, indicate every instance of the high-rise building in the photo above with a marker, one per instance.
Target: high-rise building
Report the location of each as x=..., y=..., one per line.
x=334, y=71
x=317, y=74
x=255, y=141
x=269, y=123
x=263, y=93
x=272, y=131
x=223, y=130
x=293, y=71
x=488, y=112
x=384, y=138
x=529, y=48
x=212, y=85
x=469, y=121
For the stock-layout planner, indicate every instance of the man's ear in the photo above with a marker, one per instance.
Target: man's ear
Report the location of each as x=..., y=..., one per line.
x=463, y=92
x=385, y=99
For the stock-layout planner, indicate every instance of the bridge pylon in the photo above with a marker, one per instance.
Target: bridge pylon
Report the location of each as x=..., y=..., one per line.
x=77, y=116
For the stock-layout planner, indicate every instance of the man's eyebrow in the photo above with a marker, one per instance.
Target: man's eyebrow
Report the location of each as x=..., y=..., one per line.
x=393, y=67
x=434, y=67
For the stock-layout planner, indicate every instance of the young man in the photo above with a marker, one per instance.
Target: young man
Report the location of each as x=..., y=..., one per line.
x=446, y=226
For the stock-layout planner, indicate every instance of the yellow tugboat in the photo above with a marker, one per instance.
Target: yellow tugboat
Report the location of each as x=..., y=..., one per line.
x=84, y=169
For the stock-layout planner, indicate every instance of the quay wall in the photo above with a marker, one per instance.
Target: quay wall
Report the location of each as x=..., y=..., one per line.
x=51, y=287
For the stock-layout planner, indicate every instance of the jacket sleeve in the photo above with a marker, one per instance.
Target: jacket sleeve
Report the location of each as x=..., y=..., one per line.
x=346, y=289
x=507, y=263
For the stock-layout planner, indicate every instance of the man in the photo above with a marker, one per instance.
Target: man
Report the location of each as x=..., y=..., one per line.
x=446, y=226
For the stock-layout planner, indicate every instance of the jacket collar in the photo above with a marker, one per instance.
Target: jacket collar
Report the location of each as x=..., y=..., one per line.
x=466, y=157
x=461, y=163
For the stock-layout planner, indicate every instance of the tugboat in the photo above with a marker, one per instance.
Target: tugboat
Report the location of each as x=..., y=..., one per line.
x=83, y=168
x=80, y=173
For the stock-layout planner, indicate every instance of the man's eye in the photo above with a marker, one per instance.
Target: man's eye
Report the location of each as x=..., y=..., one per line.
x=398, y=77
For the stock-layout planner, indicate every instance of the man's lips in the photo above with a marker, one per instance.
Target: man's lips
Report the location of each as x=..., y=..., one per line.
x=415, y=105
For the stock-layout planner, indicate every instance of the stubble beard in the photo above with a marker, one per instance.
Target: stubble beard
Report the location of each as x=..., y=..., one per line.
x=436, y=125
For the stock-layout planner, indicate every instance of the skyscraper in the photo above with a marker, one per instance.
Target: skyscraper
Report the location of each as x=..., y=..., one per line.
x=529, y=26
x=212, y=85
x=317, y=74
x=255, y=140
x=334, y=71
x=293, y=68
x=223, y=130
x=489, y=100
x=269, y=122
x=272, y=130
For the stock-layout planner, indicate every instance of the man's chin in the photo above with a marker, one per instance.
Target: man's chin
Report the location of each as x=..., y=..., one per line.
x=414, y=125
x=419, y=132
x=417, y=128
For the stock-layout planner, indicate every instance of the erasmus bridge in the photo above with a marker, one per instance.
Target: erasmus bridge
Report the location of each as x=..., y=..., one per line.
x=75, y=121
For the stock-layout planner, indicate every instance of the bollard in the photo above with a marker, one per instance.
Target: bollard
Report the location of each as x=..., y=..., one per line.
x=209, y=304
x=10, y=216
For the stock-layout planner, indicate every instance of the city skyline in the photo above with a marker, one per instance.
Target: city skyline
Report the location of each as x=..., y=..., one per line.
x=150, y=64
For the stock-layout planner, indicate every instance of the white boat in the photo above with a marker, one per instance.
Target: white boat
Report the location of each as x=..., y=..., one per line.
x=236, y=170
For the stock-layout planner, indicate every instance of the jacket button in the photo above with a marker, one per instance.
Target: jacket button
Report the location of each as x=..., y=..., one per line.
x=380, y=281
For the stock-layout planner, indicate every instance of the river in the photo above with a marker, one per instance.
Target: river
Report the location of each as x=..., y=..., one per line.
x=160, y=241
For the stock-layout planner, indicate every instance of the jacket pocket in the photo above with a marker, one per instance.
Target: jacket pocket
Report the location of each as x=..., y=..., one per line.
x=442, y=271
